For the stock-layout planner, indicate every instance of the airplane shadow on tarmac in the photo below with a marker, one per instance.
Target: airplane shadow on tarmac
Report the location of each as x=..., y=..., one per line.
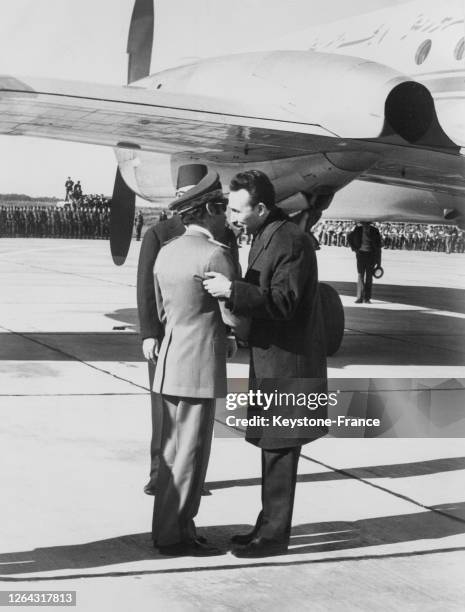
x=306, y=538
x=436, y=298
x=384, y=336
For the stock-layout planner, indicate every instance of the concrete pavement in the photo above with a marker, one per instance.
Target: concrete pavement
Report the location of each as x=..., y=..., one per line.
x=379, y=524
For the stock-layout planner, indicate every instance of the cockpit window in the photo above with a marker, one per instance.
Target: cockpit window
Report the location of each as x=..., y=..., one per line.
x=423, y=51
x=459, y=51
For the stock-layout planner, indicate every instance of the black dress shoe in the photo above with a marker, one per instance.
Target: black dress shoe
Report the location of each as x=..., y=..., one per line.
x=260, y=547
x=199, y=538
x=149, y=488
x=241, y=539
x=192, y=548
x=359, y=301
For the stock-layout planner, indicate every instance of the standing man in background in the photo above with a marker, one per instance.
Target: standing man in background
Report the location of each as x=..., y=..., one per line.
x=69, y=189
x=139, y=223
x=365, y=240
x=77, y=192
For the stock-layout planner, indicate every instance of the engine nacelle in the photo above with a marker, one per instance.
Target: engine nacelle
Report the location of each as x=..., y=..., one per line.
x=345, y=96
x=334, y=95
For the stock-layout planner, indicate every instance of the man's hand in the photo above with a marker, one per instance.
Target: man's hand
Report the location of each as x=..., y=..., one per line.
x=217, y=285
x=150, y=349
x=231, y=347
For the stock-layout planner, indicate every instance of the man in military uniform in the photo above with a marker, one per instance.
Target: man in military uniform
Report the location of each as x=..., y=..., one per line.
x=288, y=348
x=69, y=184
x=151, y=328
x=191, y=366
x=365, y=240
x=192, y=178
x=77, y=191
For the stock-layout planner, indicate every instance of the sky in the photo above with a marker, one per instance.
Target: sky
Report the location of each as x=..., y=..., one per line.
x=86, y=40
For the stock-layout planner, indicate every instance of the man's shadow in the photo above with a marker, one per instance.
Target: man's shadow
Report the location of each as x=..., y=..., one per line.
x=391, y=470
x=306, y=538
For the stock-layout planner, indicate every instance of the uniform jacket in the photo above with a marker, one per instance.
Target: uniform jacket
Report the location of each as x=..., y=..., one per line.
x=192, y=358
x=288, y=348
x=155, y=237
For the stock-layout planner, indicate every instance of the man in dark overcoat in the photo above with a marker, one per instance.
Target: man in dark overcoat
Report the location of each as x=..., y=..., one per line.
x=288, y=354
x=365, y=240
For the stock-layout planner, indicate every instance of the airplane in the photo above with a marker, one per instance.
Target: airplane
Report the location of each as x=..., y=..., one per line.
x=359, y=119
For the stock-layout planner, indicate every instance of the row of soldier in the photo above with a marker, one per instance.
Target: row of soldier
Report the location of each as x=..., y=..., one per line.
x=91, y=219
x=55, y=222
x=405, y=236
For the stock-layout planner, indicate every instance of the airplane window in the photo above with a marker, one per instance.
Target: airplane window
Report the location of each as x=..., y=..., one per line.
x=423, y=51
x=459, y=51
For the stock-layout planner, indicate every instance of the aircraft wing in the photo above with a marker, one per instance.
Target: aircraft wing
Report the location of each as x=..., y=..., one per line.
x=211, y=128
x=155, y=121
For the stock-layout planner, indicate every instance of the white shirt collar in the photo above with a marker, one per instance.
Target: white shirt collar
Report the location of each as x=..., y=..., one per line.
x=193, y=228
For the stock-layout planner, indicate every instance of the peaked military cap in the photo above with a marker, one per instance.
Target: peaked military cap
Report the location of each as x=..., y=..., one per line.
x=207, y=190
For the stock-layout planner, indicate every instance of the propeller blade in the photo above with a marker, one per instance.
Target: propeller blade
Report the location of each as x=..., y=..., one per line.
x=140, y=40
x=123, y=207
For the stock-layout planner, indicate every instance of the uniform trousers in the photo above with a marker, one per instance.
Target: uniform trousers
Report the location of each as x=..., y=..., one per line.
x=183, y=460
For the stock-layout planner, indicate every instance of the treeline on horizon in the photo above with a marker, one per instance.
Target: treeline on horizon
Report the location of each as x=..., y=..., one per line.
x=22, y=197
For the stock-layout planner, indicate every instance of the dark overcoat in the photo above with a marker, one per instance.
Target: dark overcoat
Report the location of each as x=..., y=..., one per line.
x=355, y=240
x=153, y=240
x=288, y=349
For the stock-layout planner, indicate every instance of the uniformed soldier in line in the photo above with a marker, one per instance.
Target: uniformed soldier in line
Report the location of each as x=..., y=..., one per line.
x=94, y=217
x=29, y=222
x=99, y=222
x=365, y=240
x=86, y=223
x=139, y=223
x=2, y=220
x=79, y=221
x=77, y=191
x=191, y=367
x=106, y=223
x=20, y=221
x=460, y=241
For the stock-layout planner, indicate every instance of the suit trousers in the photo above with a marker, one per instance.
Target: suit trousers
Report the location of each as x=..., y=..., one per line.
x=279, y=477
x=365, y=266
x=184, y=453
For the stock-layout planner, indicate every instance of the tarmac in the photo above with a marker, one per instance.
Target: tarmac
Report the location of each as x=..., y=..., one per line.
x=379, y=523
